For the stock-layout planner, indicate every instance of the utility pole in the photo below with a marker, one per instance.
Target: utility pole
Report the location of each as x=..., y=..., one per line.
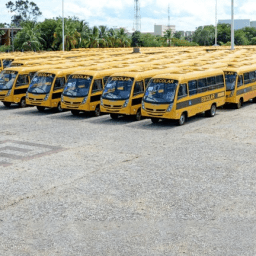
x=63, y=36
x=232, y=26
x=12, y=40
x=216, y=23
x=169, y=17
x=137, y=17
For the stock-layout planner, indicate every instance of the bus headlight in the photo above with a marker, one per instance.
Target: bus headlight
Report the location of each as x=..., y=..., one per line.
x=143, y=105
x=27, y=95
x=101, y=102
x=232, y=93
x=169, y=108
x=84, y=100
x=46, y=97
x=62, y=100
x=126, y=103
x=8, y=93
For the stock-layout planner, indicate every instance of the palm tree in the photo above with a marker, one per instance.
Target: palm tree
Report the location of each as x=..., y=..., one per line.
x=124, y=40
x=168, y=35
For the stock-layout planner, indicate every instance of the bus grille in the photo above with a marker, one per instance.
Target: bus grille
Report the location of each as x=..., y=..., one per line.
x=155, y=112
x=2, y=97
x=35, y=101
x=113, y=108
x=72, y=104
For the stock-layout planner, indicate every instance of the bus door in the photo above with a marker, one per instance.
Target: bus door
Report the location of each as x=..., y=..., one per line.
x=138, y=92
x=57, y=91
x=21, y=87
x=183, y=101
x=96, y=93
x=192, y=87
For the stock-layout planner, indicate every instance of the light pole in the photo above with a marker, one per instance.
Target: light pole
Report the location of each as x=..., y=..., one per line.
x=232, y=26
x=216, y=24
x=63, y=36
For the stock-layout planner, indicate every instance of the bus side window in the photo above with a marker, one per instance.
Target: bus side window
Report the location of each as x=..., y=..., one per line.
x=105, y=79
x=59, y=83
x=138, y=88
x=202, y=85
x=252, y=76
x=240, y=81
x=192, y=85
x=22, y=80
x=183, y=91
x=246, y=78
x=220, y=81
x=97, y=85
x=211, y=82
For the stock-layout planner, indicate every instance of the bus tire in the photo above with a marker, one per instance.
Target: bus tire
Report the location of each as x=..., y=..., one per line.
x=138, y=115
x=154, y=120
x=254, y=100
x=211, y=112
x=239, y=104
x=23, y=103
x=182, y=119
x=75, y=112
x=7, y=104
x=97, y=111
x=59, y=108
x=40, y=109
x=114, y=116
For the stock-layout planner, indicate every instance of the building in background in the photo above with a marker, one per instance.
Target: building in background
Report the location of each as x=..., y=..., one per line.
x=253, y=24
x=160, y=29
x=238, y=23
x=6, y=39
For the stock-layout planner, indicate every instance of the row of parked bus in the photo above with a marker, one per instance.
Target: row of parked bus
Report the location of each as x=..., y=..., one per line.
x=157, y=85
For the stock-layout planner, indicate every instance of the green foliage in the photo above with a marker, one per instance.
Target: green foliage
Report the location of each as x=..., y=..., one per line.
x=25, y=11
x=5, y=48
x=182, y=42
x=136, y=39
x=168, y=36
x=204, y=35
x=149, y=40
x=177, y=34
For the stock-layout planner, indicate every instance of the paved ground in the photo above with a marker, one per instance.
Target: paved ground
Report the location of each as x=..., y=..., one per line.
x=93, y=186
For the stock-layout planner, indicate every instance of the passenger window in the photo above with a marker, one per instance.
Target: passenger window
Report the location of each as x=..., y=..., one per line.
x=202, y=85
x=240, y=81
x=252, y=76
x=220, y=81
x=183, y=92
x=22, y=80
x=97, y=85
x=211, y=82
x=59, y=83
x=138, y=88
x=105, y=79
x=192, y=85
x=246, y=78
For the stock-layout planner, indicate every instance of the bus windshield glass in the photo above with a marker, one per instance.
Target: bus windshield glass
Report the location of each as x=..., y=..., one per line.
x=7, y=62
x=230, y=79
x=7, y=79
x=78, y=86
x=118, y=88
x=161, y=91
x=41, y=83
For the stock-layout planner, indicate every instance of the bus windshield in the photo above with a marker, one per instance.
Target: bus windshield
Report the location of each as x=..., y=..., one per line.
x=41, y=83
x=7, y=79
x=118, y=88
x=230, y=81
x=78, y=86
x=161, y=91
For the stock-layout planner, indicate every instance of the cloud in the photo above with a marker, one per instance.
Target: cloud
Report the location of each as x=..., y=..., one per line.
x=185, y=14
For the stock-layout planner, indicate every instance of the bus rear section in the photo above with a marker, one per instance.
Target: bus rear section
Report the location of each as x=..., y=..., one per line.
x=241, y=85
x=179, y=96
x=124, y=91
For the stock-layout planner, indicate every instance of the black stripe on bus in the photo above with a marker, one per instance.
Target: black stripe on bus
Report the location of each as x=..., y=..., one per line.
x=95, y=98
x=136, y=101
x=199, y=100
x=56, y=95
x=20, y=91
x=245, y=90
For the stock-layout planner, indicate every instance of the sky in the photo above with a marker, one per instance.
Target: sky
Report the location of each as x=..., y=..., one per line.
x=185, y=14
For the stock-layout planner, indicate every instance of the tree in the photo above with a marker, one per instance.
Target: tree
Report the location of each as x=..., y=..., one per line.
x=177, y=34
x=24, y=10
x=204, y=35
x=240, y=38
x=168, y=35
x=136, y=39
x=224, y=33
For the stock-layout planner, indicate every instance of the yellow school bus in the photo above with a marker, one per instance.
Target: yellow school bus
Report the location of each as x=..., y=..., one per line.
x=179, y=96
x=14, y=83
x=46, y=88
x=83, y=90
x=124, y=91
x=241, y=84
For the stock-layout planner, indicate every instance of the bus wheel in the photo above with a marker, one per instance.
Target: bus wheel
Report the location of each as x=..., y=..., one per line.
x=22, y=103
x=97, y=111
x=138, y=115
x=154, y=120
x=114, y=116
x=239, y=104
x=59, y=108
x=211, y=112
x=75, y=112
x=40, y=109
x=182, y=119
x=7, y=104
x=254, y=100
